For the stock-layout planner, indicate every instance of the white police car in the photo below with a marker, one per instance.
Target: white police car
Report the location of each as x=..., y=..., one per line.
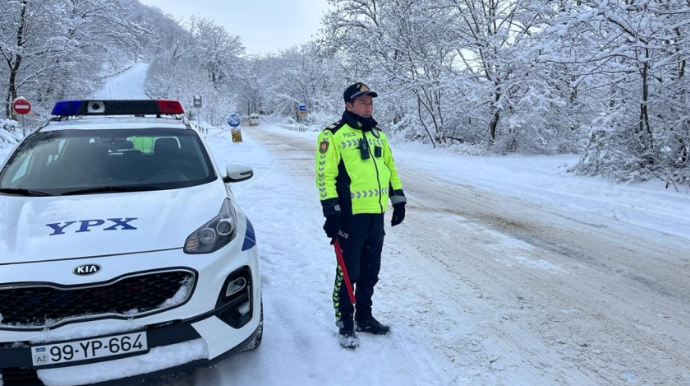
x=123, y=253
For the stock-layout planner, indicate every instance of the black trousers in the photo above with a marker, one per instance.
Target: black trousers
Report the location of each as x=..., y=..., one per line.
x=361, y=240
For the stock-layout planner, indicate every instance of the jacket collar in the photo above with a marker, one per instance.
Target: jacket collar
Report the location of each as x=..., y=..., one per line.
x=357, y=122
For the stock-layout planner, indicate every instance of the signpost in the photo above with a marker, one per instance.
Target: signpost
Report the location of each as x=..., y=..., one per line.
x=21, y=106
x=302, y=110
x=197, y=105
x=234, y=121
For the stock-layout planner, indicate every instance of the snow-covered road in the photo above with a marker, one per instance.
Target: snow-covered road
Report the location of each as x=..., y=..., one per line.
x=506, y=271
x=501, y=274
x=503, y=289
x=120, y=86
x=484, y=285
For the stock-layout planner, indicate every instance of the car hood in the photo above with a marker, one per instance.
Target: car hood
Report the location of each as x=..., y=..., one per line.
x=50, y=228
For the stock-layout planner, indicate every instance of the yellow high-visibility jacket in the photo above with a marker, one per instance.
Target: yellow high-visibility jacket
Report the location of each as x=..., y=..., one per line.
x=349, y=182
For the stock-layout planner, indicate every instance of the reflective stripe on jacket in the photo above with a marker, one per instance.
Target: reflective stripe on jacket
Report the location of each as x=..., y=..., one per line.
x=350, y=183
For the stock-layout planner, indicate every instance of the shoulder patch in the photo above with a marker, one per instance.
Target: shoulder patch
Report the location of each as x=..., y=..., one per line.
x=376, y=132
x=323, y=147
x=335, y=126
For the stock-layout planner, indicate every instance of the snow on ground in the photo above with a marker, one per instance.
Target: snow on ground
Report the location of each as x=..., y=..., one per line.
x=506, y=271
x=435, y=340
x=128, y=85
x=544, y=179
x=297, y=270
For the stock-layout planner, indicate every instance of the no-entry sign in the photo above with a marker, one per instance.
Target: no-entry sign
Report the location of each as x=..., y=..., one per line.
x=21, y=106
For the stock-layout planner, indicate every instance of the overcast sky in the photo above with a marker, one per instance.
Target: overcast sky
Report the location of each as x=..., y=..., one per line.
x=265, y=26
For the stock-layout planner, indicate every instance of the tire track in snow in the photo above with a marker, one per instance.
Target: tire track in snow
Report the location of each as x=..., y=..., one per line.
x=543, y=295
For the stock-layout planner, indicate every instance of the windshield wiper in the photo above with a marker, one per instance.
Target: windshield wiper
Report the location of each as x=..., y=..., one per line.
x=112, y=189
x=25, y=192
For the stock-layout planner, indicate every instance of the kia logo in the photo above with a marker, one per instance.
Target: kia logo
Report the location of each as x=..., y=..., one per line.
x=86, y=269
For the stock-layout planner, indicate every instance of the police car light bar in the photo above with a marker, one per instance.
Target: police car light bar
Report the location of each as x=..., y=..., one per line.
x=118, y=107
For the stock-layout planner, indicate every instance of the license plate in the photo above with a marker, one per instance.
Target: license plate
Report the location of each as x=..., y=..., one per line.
x=88, y=349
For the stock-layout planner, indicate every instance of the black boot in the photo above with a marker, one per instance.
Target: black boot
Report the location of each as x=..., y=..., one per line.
x=347, y=338
x=372, y=326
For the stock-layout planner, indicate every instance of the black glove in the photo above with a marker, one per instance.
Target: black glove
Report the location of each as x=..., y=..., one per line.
x=398, y=214
x=332, y=225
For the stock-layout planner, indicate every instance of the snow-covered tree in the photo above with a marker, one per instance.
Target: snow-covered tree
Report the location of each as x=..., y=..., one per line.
x=53, y=49
x=218, y=51
x=30, y=43
x=202, y=60
x=638, y=51
x=458, y=66
x=607, y=77
x=302, y=75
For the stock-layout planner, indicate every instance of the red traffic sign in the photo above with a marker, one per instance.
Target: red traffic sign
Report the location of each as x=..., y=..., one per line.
x=21, y=106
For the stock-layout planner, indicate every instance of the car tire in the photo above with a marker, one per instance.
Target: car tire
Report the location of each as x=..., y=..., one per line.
x=256, y=342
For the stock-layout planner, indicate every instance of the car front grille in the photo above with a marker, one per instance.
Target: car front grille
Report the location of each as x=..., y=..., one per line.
x=37, y=306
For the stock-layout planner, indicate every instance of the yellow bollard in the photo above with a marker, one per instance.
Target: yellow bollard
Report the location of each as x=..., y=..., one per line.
x=236, y=135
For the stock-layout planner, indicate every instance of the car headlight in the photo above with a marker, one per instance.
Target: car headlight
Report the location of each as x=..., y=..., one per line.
x=216, y=233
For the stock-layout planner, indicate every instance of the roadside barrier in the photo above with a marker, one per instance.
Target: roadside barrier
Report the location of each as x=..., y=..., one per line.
x=293, y=127
x=236, y=135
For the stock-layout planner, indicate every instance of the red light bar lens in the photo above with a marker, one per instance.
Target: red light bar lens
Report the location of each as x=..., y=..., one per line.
x=169, y=107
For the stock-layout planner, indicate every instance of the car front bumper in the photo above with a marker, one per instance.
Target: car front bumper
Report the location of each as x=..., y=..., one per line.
x=200, y=330
x=183, y=346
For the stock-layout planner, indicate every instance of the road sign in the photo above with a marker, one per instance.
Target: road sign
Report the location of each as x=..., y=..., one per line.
x=234, y=120
x=197, y=101
x=21, y=106
x=302, y=109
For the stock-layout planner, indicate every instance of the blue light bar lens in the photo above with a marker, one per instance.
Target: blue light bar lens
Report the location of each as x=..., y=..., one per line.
x=66, y=108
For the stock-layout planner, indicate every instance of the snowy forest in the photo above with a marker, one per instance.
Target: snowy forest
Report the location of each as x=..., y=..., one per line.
x=602, y=78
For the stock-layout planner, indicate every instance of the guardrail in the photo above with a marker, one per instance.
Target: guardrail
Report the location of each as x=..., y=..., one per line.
x=293, y=127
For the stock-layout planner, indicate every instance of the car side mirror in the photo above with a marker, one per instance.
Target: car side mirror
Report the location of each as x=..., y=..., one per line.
x=237, y=173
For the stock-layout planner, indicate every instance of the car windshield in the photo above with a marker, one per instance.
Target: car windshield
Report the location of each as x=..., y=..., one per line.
x=106, y=161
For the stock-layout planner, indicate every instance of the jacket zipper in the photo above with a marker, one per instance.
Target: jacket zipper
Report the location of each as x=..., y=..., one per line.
x=378, y=178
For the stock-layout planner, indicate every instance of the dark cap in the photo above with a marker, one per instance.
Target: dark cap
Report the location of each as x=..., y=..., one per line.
x=357, y=90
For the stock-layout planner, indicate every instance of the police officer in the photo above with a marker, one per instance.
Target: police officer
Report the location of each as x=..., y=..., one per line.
x=356, y=176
